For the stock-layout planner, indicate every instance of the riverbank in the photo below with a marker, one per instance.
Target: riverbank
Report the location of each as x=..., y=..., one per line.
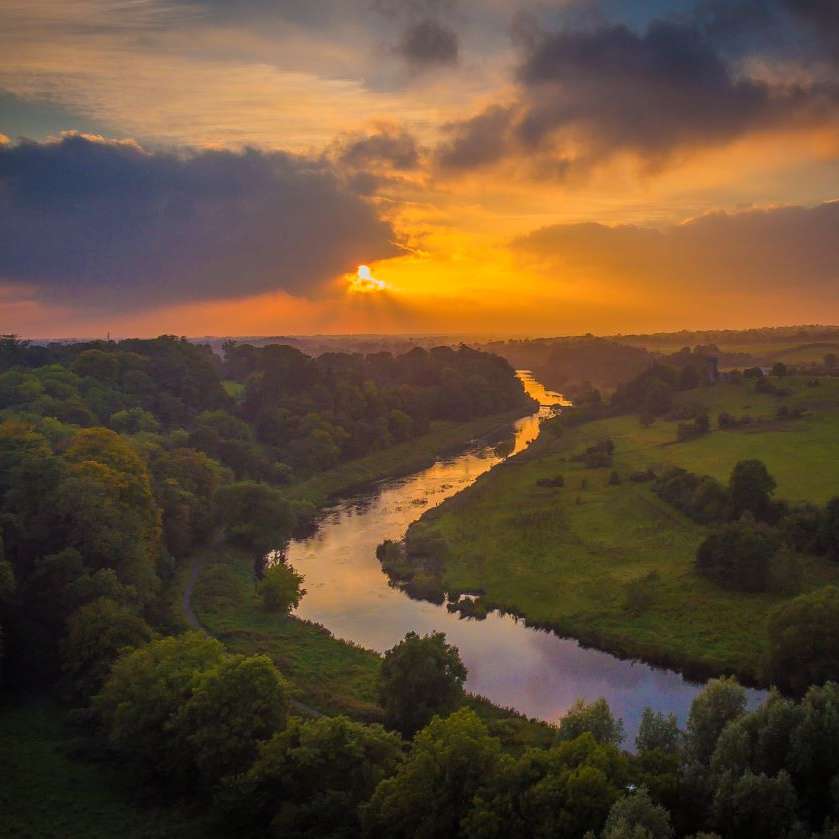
x=325, y=673
x=611, y=564
x=443, y=439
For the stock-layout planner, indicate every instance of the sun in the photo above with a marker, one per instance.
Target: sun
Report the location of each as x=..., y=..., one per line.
x=364, y=282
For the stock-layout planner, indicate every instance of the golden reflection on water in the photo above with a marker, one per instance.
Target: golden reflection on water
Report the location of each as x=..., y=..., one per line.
x=536, y=672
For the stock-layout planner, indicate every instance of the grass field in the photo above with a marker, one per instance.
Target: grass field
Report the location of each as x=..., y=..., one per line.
x=46, y=793
x=566, y=556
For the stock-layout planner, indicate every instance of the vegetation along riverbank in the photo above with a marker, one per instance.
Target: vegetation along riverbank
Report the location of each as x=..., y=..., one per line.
x=580, y=533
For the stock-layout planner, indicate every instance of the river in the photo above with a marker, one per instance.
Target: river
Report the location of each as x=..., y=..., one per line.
x=536, y=672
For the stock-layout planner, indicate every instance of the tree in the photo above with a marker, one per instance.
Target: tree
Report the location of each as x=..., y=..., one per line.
x=256, y=515
x=145, y=691
x=830, y=360
x=719, y=702
x=804, y=640
x=636, y=816
x=738, y=555
x=310, y=779
x=234, y=705
x=658, y=732
x=754, y=805
x=431, y=793
x=566, y=790
x=281, y=588
x=751, y=487
x=779, y=369
x=96, y=635
x=420, y=677
x=829, y=536
x=7, y=590
x=595, y=718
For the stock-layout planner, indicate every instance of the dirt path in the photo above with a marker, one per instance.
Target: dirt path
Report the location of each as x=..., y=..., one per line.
x=195, y=567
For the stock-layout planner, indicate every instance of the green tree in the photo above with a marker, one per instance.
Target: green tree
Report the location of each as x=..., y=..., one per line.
x=754, y=805
x=133, y=421
x=144, y=693
x=310, y=779
x=96, y=635
x=566, y=790
x=234, y=706
x=281, y=588
x=658, y=732
x=420, y=677
x=739, y=556
x=256, y=515
x=450, y=761
x=750, y=487
x=592, y=717
x=804, y=640
x=829, y=536
x=719, y=702
x=636, y=816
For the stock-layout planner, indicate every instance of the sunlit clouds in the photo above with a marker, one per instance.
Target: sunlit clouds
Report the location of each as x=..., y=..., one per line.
x=363, y=281
x=440, y=165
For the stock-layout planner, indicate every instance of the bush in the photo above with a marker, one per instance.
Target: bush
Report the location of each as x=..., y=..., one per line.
x=640, y=594
x=281, y=588
x=738, y=556
x=804, y=640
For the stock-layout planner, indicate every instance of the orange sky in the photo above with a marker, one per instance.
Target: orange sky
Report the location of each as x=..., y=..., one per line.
x=341, y=85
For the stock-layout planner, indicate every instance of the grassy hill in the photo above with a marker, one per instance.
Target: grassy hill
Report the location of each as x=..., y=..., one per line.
x=569, y=556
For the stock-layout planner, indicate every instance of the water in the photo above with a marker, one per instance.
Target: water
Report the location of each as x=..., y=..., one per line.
x=535, y=672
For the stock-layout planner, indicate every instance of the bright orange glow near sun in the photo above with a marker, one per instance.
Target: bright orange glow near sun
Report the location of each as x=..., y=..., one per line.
x=364, y=282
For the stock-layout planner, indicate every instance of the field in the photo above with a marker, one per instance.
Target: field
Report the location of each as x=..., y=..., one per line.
x=567, y=556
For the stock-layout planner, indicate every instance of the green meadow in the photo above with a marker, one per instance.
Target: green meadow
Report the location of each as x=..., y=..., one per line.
x=569, y=556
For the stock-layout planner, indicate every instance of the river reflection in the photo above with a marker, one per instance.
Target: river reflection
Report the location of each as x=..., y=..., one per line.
x=534, y=671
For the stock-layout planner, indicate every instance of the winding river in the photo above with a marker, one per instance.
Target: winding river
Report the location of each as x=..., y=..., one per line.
x=536, y=672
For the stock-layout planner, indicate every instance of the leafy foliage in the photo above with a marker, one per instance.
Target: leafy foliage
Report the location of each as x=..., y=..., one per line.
x=420, y=678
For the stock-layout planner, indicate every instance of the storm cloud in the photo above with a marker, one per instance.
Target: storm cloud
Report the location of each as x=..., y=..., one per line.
x=585, y=95
x=86, y=221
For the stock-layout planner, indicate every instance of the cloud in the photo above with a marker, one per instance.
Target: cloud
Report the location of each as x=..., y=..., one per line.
x=750, y=253
x=94, y=222
x=586, y=95
x=388, y=145
x=429, y=43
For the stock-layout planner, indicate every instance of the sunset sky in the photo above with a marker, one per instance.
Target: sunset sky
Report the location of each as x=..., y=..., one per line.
x=499, y=166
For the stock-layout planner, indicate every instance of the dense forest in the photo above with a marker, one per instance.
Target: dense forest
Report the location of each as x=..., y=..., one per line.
x=117, y=459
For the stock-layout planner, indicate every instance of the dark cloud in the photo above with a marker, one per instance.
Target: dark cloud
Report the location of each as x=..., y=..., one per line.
x=586, y=94
x=91, y=222
x=479, y=141
x=752, y=252
x=429, y=43
x=389, y=146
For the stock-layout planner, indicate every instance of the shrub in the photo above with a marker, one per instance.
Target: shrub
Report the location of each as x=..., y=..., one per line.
x=738, y=556
x=804, y=640
x=281, y=588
